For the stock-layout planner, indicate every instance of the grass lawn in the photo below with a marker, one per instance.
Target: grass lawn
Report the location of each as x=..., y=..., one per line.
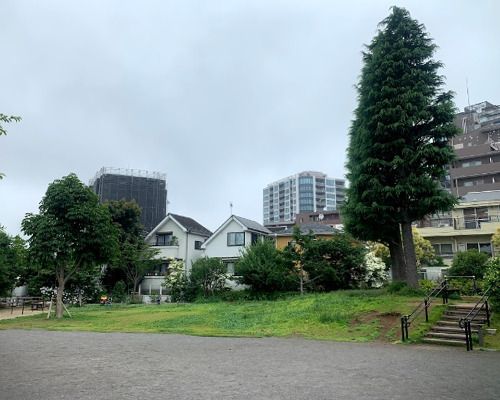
x=344, y=316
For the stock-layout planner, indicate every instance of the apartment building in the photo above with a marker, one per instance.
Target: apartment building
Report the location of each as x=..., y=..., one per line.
x=477, y=148
x=469, y=226
x=304, y=192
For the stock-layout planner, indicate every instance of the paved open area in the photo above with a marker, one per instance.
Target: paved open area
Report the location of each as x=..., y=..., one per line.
x=77, y=365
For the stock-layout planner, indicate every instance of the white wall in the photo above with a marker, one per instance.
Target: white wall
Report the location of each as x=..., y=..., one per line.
x=185, y=249
x=217, y=247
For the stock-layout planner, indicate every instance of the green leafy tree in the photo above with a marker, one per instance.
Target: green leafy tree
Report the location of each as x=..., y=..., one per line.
x=135, y=257
x=12, y=261
x=469, y=263
x=265, y=270
x=209, y=274
x=6, y=119
x=72, y=233
x=399, y=141
x=336, y=263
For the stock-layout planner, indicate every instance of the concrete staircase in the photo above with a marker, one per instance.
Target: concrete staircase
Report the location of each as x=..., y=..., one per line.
x=447, y=330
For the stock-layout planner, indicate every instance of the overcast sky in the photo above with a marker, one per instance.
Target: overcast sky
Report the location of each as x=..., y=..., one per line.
x=222, y=96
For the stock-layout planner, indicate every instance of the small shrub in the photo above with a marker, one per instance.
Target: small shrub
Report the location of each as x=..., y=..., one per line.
x=426, y=285
x=470, y=262
x=119, y=292
x=402, y=289
x=265, y=270
x=209, y=275
x=396, y=286
x=492, y=279
x=466, y=286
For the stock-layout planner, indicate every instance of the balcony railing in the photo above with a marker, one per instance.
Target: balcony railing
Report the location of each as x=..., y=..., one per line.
x=458, y=223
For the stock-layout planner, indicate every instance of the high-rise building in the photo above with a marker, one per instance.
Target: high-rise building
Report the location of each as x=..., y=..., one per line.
x=477, y=148
x=305, y=192
x=148, y=189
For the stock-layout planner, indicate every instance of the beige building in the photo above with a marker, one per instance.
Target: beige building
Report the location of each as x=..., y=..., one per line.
x=470, y=225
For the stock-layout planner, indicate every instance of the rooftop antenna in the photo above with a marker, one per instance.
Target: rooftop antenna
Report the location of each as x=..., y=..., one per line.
x=467, y=87
x=231, y=207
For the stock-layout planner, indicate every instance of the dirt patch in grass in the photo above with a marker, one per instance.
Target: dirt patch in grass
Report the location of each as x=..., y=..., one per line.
x=386, y=323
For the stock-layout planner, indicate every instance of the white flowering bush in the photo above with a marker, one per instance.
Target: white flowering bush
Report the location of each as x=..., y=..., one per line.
x=73, y=295
x=176, y=281
x=375, y=274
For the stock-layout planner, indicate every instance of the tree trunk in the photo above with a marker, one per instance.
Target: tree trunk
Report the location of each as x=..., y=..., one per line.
x=398, y=264
x=409, y=253
x=59, y=297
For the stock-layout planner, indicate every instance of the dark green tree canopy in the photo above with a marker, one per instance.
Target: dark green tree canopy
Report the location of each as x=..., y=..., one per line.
x=71, y=234
x=399, y=139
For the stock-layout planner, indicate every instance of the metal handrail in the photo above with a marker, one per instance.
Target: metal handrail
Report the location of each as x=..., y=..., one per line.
x=406, y=320
x=465, y=322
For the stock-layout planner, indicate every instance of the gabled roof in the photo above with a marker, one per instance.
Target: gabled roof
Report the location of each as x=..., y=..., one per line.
x=246, y=224
x=316, y=229
x=189, y=225
x=252, y=225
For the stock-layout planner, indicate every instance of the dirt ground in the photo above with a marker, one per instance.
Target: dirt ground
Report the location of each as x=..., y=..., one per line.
x=7, y=313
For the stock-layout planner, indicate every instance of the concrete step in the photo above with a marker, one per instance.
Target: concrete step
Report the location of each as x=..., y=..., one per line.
x=444, y=341
x=447, y=317
x=443, y=335
x=463, y=312
x=455, y=323
x=464, y=306
x=450, y=329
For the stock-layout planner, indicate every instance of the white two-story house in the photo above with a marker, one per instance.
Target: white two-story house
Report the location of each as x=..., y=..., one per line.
x=176, y=237
x=229, y=240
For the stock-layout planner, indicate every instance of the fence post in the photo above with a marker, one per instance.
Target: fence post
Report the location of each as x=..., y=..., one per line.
x=402, y=328
x=487, y=312
x=426, y=312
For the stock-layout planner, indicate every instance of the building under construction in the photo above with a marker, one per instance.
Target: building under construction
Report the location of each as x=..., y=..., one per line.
x=148, y=189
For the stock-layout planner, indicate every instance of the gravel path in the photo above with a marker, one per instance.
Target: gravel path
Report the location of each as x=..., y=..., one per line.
x=79, y=365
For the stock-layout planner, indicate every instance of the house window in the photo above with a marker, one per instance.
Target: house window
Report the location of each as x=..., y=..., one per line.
x=482, y=247
x=255, y=237
x=230, y=268
x=443, y=249
x=236, y=239
x=164, y=239
x=197, y=244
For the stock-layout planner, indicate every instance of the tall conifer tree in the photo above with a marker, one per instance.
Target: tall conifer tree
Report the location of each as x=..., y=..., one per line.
x=399, y=140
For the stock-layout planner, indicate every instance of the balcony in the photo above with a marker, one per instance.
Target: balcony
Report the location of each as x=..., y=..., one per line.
x=459, y=226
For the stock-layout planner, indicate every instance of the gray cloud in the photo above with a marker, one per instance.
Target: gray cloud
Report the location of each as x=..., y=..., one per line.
x=223, y=96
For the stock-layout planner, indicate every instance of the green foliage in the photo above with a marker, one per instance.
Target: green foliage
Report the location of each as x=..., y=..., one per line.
x=71, y=234
x=135, y=257
x=471, y=262
x=264, y=269
x=399, y=139
x=336, y=263
x=12, y=262
x=6, y=119
x=492, y=279
x=427, y=285
x=466, y=286
x=209, y=274
x=402, y=289
x=178, y=284
x=119, y=292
